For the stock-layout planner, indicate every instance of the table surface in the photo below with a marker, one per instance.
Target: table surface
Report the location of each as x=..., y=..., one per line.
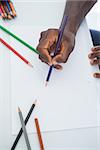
x=82, y=139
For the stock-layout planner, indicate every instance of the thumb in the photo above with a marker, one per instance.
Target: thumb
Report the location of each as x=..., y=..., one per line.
x=57, y=59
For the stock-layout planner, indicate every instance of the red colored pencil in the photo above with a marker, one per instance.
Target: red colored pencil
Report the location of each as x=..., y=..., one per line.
x=15, y=52
x=1, y=12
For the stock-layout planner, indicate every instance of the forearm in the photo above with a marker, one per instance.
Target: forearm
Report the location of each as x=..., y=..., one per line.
x=76, y=11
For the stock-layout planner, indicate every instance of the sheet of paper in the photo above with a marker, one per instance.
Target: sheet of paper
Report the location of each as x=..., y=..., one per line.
x=70, y=99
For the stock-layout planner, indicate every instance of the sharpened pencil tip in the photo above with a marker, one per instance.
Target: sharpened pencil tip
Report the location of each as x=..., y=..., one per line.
x=46, y=84
x=5, y=15
x=36, y=119
x=14, y=13
x=9, y=16
x=35, y=102
x=30, y=65
x=19, y=109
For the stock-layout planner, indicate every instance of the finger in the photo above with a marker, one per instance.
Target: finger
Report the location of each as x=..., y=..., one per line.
x=57, y=59
x=58, y=67
x=45, y=57
x=96, y=75
x=94, y=55
x=95, y=62
x=62, y=55
x=46, y=46
x=43, y=49
x=44, y=60
x=52, y=48
x=96, y=48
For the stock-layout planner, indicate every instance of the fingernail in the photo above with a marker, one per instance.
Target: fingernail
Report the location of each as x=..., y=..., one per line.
x=94, y=75
x=61, y=68
x=92, y=62
x=89, y=55
x=92, y=48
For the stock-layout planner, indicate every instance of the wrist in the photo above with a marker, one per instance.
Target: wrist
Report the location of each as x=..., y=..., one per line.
x=69, y=37
x=72, y=25
x=68, y=34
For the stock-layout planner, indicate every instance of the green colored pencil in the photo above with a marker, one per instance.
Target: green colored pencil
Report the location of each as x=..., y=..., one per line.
x=19, y=39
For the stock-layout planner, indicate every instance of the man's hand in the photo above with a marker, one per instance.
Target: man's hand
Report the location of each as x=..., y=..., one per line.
x=47, y=44
x=76, y=12
x=93, y=58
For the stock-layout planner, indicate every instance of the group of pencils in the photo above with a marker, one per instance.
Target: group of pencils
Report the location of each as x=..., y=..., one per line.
x=24, y=131
x=61, y=30
x=12, y=49
x=7, y=10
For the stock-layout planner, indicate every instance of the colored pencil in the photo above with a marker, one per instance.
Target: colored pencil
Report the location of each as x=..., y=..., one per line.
x=10, y=11
x=18, y=39
x=12, y=8
x=26, y=121
x=15, y=52
x=61, y=30
x=24, y=129
x=3, y=11
x=39, y=134
x=6, y=10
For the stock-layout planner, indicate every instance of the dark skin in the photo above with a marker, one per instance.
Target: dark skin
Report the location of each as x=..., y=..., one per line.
x=76, y=12
x=95, y=52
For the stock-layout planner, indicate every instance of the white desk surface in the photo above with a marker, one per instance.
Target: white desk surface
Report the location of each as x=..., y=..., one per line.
x=76, y=139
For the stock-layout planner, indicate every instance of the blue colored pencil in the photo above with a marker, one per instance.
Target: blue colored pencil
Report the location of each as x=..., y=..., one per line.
x=61, y=30
x=8, y=6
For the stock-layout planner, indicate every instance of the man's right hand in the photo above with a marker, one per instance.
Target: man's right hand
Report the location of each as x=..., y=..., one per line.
x=47, y=44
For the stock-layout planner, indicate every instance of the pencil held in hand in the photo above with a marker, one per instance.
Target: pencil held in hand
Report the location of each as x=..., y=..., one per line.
x=60, y=35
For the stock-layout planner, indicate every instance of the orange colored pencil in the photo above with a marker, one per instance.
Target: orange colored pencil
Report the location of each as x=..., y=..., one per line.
x=39, y=134
x=12, y=8
x=7, y=11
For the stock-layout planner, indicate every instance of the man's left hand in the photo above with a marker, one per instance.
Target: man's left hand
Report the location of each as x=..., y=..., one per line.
x=94, y=57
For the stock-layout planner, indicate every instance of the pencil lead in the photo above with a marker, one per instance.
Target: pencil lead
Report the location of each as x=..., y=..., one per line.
x=19, y=109
x=46, y=84
x=30, y=64
x=11, y=14
x=9, y=17
x=35, y=102
x=14, y=13
x=5, y=15
x=35, y=119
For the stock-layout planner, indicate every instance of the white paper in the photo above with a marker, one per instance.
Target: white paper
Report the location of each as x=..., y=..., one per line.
x=70, y=99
